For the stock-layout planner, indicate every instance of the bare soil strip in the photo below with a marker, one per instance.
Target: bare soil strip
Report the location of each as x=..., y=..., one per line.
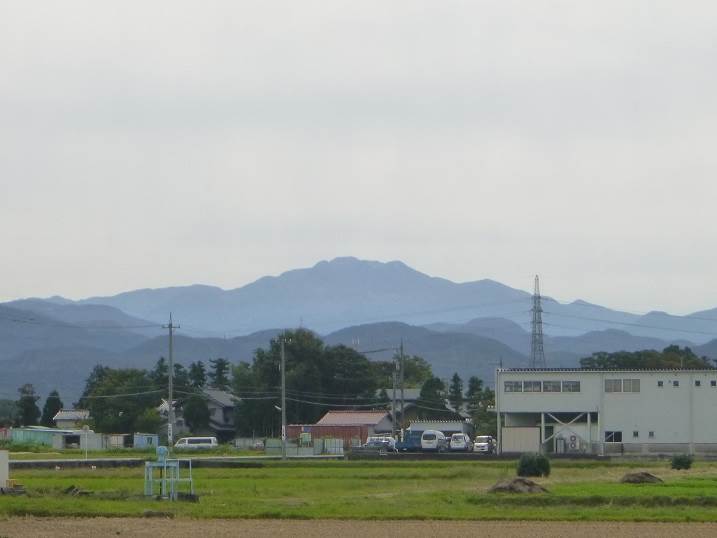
x=178, y=528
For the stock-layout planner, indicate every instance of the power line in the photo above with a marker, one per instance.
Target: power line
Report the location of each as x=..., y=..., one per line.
x=628, y=324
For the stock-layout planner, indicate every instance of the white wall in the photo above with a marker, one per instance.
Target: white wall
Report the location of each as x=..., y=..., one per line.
x=4, y=468
x=521, y=439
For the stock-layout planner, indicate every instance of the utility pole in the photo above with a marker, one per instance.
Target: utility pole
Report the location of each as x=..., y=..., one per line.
x=401, y=378
x=170, y=376
x=393, y=403
x=283, y=399
x=537, y=354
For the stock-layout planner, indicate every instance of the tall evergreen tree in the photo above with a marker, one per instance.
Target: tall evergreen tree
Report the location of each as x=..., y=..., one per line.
x=197, y=375
x=181, y=377
x=219, y=374
x=474, y=394
x=28, y=412
x=431, y=401
x=52, y=405
x=160, y=373
x=455, y=392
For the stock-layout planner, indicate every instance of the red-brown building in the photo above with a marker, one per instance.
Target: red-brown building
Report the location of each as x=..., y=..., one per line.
x=354, y=427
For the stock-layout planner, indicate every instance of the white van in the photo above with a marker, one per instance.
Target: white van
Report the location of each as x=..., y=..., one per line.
x=433, y=440
x=197, y=442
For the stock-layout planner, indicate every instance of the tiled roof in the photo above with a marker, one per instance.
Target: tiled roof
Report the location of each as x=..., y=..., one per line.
x=72, y=414
x=351, y=418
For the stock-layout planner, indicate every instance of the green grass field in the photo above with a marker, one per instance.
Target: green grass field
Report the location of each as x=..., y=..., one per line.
x=46, y=453
x=578, y=490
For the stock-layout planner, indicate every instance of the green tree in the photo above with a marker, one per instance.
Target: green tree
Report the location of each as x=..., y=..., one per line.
x=197, y=375
x=219, y=373
x=28, y=412
x=480, y=401
x=383, y=400
x=416, y=371
x=8, y=412
x=52, y=405
x=196, y=413
x=317, y=377
x=474, y=394
x=160, y=373
x=181, y=377
x=117, y=398
x=455, y=392
x=671, y=358
x=431, y=401
x=148, y=421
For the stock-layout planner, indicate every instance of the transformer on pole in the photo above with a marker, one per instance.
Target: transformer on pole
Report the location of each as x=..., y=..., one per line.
x=537, y=354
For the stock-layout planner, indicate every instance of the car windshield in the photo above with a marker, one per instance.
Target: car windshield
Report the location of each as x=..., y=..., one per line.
x=429, y=436
x=457, y=437
x=483, y=439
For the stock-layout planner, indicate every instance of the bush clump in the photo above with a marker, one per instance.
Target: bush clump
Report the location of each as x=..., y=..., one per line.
x=682, y=461
x=533, y=465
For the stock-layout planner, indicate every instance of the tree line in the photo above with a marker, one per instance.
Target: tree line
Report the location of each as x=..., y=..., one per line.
x=319, y=377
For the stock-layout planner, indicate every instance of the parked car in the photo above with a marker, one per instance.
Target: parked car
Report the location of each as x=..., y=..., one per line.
x=197, y=442
x=461, y=442
x=433, y=440
x=381, y=443
x=484, y=444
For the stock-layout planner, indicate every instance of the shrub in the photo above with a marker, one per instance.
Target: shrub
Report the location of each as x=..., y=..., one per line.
x=533, y=465
x=682, y=461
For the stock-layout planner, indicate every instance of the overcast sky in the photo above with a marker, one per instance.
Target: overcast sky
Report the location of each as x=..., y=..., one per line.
x=148, y=144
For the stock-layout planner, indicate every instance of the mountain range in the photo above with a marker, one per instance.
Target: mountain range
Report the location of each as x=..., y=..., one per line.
x=466, y=327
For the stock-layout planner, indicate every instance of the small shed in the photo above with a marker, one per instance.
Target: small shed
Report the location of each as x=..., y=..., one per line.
x=145, y=440
x=38, y=435
x=118, y=440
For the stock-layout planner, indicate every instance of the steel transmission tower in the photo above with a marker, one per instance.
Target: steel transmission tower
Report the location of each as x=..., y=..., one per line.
x=537, y=354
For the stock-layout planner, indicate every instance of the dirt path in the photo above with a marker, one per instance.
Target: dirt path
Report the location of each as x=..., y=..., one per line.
x=161, y=528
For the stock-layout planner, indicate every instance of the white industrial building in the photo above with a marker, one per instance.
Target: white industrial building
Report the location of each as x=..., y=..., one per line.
x=606, y=411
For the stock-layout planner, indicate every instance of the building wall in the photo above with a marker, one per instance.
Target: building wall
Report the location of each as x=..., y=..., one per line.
x=347, y=433
x=4, y=468
x=674, y=414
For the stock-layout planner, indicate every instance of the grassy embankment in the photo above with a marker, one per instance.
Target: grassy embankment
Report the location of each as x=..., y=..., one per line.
x=383, y=490
x=26, y=451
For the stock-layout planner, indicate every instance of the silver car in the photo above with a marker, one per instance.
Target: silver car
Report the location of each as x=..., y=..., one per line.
x=485, y=444
x=461, y=442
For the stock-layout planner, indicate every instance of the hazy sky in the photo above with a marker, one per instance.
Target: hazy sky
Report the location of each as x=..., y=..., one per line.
x=147, y=144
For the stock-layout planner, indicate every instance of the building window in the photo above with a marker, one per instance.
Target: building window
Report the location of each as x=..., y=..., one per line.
x=675, y=383
x=635, y=434
x=613, y=437
x=513, y=386
x=613, y=385
x=551, y=386
x=571, y=386
x=531, y=386
x=713, y=383
x=631, y=385
x=698, y=383
x=660, y=384
x=651, y=435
